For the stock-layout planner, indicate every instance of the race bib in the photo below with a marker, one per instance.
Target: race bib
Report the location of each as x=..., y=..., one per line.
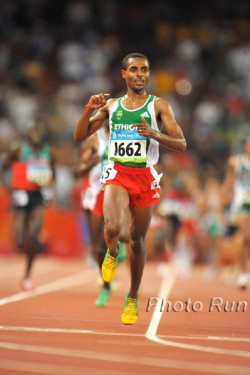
x=128, y=147
x=39, y=173
x=108, y=173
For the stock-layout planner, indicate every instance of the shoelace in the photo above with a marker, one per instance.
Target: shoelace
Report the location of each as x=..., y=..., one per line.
x=130, y=307
x=110, y=262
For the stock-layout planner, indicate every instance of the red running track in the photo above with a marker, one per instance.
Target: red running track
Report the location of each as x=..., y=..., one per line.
x=194, y=327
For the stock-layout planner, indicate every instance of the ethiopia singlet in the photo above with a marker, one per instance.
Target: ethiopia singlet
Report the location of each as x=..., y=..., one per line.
x=127, y=147
x=242, y=183
x=33, y=169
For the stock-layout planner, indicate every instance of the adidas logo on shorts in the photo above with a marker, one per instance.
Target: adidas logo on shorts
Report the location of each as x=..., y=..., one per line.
x=156, y=195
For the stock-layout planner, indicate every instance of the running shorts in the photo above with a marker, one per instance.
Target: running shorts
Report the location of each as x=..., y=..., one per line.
x=27, y=199
x=92, y=200
x=142, y=184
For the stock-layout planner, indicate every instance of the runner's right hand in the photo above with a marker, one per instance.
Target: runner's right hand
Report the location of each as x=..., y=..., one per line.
x=97, y=101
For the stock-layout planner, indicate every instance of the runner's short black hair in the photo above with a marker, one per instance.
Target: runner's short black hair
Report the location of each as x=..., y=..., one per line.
x=133, y=55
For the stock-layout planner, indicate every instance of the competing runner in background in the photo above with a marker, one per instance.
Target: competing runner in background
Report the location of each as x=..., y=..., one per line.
x=236, y=195
x=130, y=179
x=92, y=158
x=31, y=166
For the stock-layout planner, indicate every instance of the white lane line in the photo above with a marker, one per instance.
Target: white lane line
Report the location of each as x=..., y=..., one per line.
x=151, y=334
x=51, y=369
x=80, y=278
x=105, y=333
x=207, y=338
x=168, y=280
x=200, y=367
x=46, y=330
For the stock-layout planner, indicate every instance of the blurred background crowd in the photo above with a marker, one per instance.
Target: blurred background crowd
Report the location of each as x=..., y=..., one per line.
x=55, y=54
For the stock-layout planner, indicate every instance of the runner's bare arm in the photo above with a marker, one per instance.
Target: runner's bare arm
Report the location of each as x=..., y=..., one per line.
x=88, y=156
x=227, y=187
x=89, y=123
x=174, y=139
x=11, y=156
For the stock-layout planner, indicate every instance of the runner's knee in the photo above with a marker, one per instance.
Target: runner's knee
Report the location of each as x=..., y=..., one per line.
x=138, y=246
x=112, y=229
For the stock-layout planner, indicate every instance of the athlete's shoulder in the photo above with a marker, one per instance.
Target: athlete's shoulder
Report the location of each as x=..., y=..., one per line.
x=111, y=103
x=14, y=150
x=159, y=99
x=162, y=105
x=16, y=145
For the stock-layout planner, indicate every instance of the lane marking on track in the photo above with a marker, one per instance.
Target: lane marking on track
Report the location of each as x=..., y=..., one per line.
x=156, y=362
x=77, y=279
x=168, y=280
x=51, y=369
x=48, y=369
x=104, y=333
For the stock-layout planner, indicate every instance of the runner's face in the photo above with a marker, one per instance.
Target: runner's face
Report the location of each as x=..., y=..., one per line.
x=136, y=74
x=34, y=136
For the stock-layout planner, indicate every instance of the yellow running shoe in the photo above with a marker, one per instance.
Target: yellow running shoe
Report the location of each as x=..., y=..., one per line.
x=130, y=312
x=109, y=267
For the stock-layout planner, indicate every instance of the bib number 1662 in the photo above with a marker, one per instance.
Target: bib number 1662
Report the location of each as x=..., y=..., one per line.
x=129, y=149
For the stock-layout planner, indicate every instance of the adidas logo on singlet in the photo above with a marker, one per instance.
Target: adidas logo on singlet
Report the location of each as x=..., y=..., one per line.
x=145, y=114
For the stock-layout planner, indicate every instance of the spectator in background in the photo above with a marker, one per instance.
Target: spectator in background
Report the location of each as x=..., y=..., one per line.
x=204, y=47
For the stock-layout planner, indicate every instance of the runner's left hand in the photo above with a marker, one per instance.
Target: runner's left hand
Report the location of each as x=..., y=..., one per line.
x=144, y=128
